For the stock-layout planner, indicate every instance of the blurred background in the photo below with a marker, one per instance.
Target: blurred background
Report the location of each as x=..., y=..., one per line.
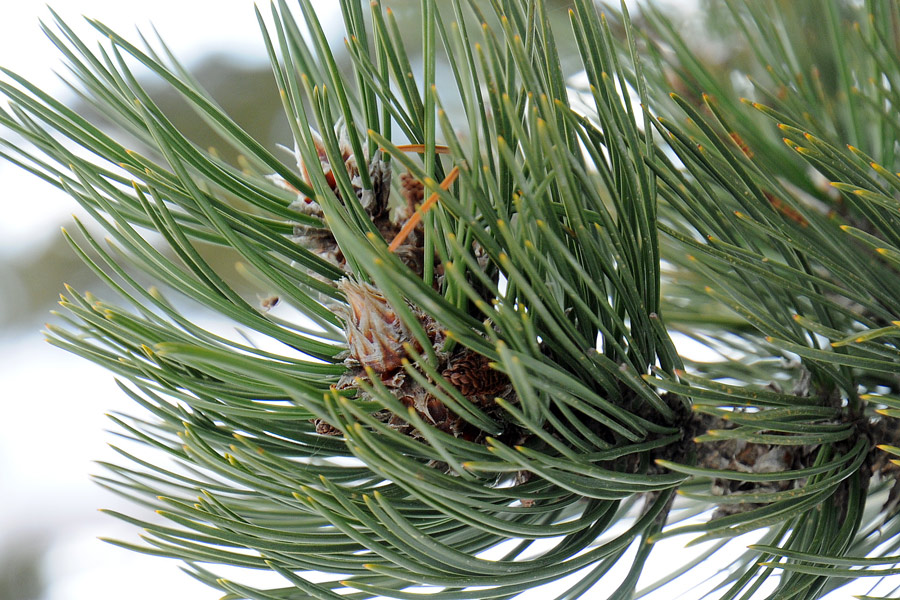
x=54, y=404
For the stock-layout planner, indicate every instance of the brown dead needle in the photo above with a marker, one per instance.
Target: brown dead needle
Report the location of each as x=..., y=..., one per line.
x=420, y=149
x=417, y=216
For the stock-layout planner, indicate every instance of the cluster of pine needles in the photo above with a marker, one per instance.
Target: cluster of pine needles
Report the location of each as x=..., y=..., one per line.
x=471, y=385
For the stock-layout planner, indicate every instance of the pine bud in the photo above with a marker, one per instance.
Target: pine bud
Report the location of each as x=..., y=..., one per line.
x=375, y=333
x=374, y=200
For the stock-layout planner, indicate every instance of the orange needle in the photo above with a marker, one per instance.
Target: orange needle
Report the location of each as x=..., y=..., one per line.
x=426, y=206
x=420, y=149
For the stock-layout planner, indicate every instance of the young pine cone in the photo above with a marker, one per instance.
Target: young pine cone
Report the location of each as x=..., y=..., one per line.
x=413, y=192
x=473, y=376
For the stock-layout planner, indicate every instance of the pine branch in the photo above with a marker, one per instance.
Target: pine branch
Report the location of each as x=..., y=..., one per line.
x=484, y=393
